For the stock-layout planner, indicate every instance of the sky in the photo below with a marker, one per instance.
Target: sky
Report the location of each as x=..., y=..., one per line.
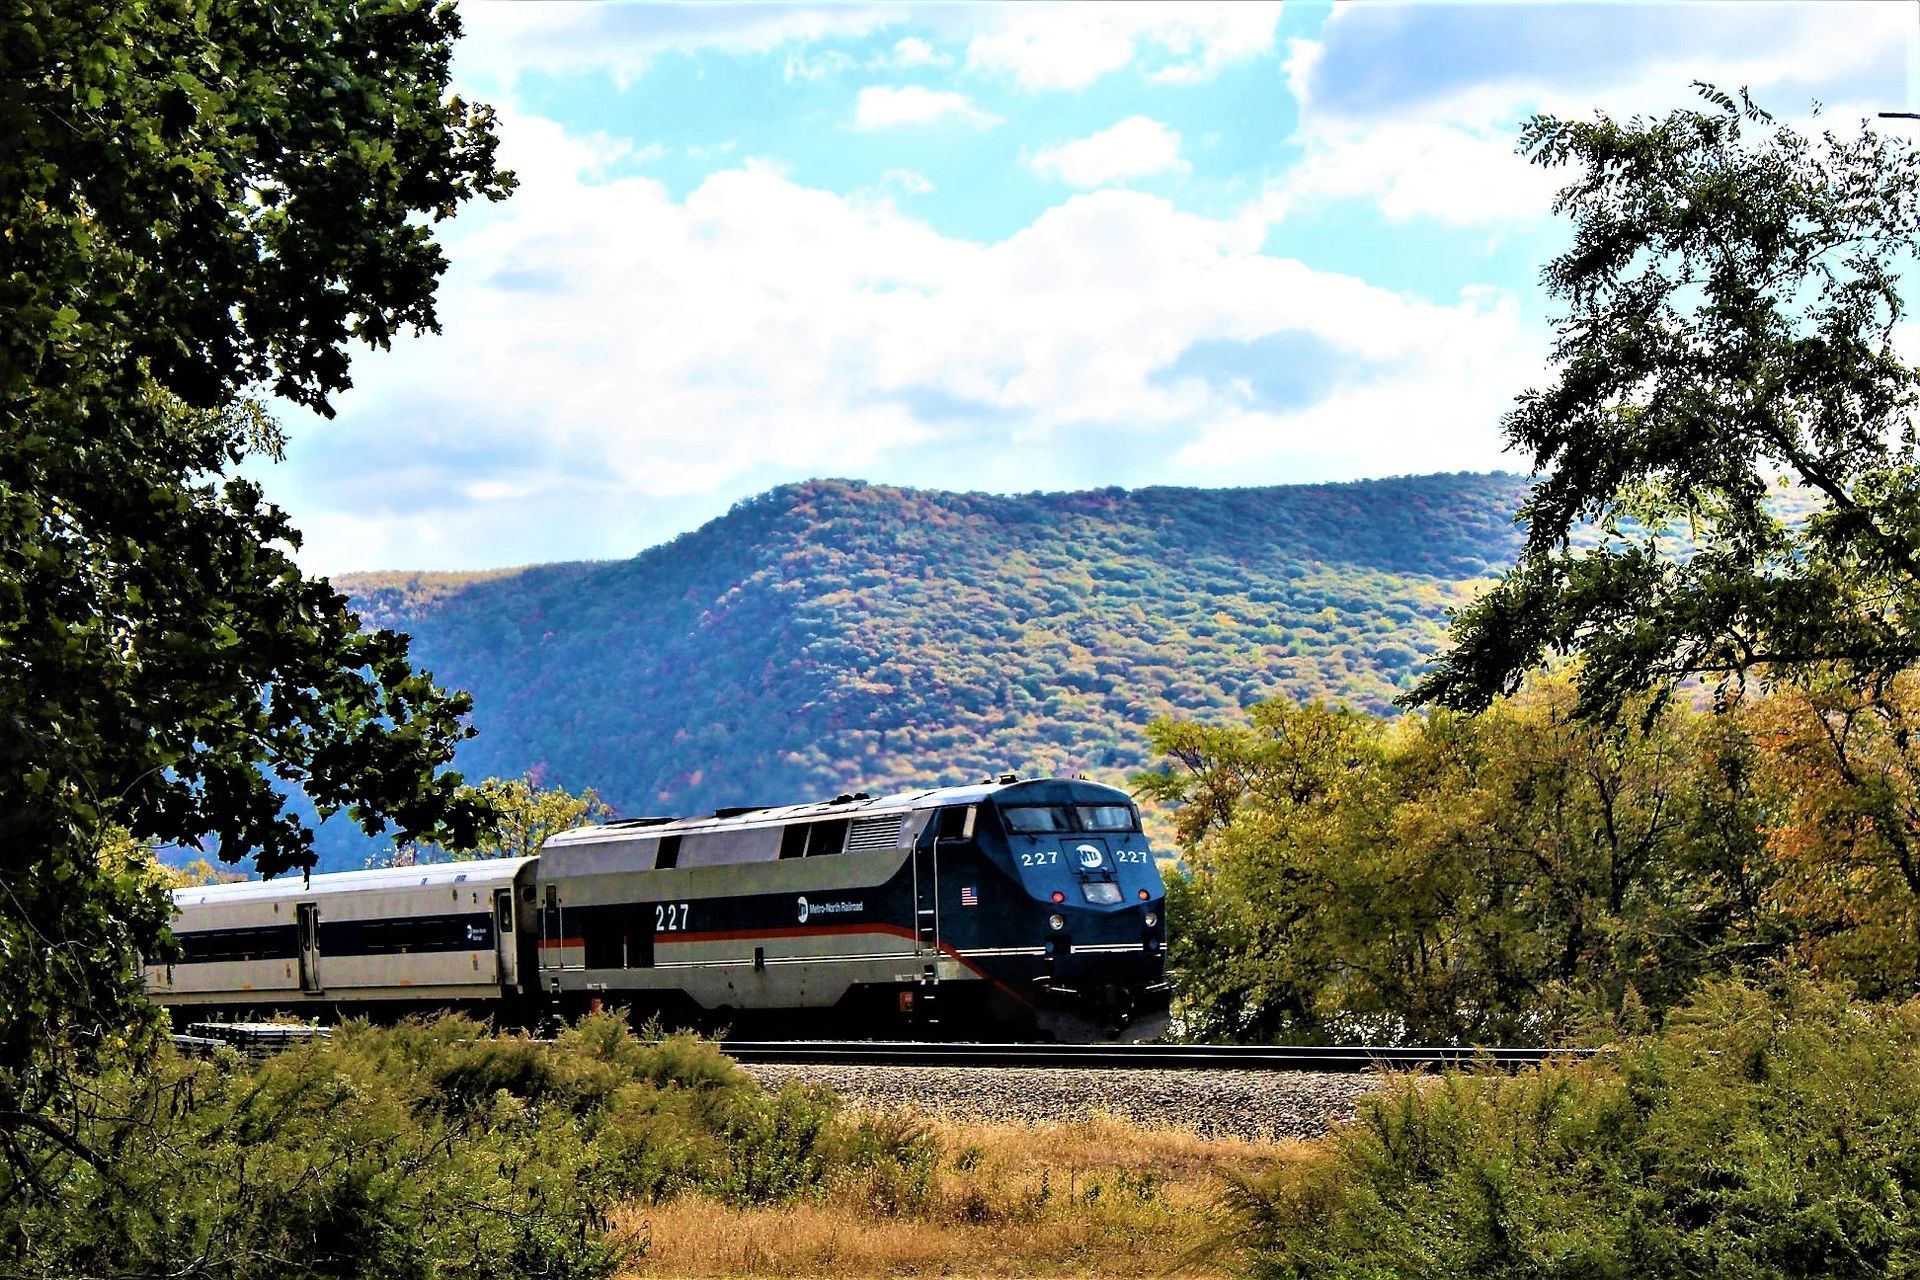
x=998, y=247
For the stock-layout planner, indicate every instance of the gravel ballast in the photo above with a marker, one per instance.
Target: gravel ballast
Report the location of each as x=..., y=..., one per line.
x=1241, y=1104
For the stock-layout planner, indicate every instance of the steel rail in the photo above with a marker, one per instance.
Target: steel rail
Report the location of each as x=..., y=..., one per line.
x=260, y=1039
x=256, y=1039
x=1141, y=1057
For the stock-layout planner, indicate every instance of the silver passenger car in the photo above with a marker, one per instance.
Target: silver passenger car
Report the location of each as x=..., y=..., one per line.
x=360, y=941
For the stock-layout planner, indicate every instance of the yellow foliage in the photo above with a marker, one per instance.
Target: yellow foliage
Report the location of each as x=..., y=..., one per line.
x=1842, y=764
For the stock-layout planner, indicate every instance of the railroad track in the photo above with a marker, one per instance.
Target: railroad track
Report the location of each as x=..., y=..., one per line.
x=255, y=1039
x=260, y=1039
x=1140, y=1057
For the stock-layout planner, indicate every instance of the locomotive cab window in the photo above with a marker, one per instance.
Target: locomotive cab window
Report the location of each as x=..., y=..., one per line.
x=1037, y=819
x=955, y=822
x=814, y=839
x=826, y=837
x=1107, y=817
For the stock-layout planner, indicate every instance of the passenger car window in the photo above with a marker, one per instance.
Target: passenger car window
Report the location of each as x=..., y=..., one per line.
x=1107, y=817
x=1034, y=819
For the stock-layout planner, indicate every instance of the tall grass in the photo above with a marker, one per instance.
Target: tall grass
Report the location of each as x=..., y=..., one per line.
x=1097, y=1196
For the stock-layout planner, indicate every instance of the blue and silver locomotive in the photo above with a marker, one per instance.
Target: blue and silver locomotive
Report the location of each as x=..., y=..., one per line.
x=1010, y=908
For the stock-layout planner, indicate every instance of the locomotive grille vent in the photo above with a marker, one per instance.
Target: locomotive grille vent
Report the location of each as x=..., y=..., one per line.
x=869, y=834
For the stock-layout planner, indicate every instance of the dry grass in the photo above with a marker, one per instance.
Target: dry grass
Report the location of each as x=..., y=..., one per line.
x=1100, y=1197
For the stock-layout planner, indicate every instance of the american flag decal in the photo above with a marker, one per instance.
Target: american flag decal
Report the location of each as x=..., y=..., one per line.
x=968, y=898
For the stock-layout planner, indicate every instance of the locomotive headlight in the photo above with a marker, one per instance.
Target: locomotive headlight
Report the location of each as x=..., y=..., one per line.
x=1056, y=921
x=1152, y=918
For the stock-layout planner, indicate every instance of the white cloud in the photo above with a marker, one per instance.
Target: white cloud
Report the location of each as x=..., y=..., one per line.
x=889, y=107
x=1302, y=57
x=1437, y=410
x=1134, y=148
x=1466, y=176
x=1382, y=120
x=609, y=347
x=815, y=67
x=1386, y=60
x=914, y=184
x=1041, y=45
x=1069, y=46
x=504, y=41
x=914, y=52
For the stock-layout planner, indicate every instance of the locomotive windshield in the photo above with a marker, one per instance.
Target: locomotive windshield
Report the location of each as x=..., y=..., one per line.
x=1105, y=817
x=1033, y=819
x=1040, y=819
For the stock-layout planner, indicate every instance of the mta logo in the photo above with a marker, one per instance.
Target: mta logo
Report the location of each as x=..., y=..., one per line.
x=803, y=911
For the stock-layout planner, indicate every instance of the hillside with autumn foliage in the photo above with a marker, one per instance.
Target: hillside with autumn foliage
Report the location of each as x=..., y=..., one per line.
x=837, y=635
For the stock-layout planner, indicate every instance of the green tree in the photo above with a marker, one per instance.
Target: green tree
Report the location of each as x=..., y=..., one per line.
x=201, y=205
x=1841, y=767
x=1274, y=819
x=530, y=812
x=199, y=872
x=526, y=813
x=1730, y=298
x=1480, y=879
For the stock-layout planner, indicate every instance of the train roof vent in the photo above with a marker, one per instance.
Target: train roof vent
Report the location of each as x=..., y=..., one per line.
x=869, y=834
x=734, y=811
x=640, y=822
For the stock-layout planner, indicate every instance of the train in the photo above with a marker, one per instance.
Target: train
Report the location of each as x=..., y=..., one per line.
x=1009, y=909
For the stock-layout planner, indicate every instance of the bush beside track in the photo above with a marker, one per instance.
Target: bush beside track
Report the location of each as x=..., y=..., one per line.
x=427, y=1149
x=1765, y=1131
x=1761, y=1134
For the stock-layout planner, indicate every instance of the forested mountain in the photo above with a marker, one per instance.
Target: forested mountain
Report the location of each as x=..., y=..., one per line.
x=835, y=635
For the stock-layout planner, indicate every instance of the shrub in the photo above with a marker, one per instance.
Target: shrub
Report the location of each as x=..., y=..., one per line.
x=423, y=1150
x=894, y=1156
x=1762, y=1133
x=314, y=1161
x=776, y=1144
